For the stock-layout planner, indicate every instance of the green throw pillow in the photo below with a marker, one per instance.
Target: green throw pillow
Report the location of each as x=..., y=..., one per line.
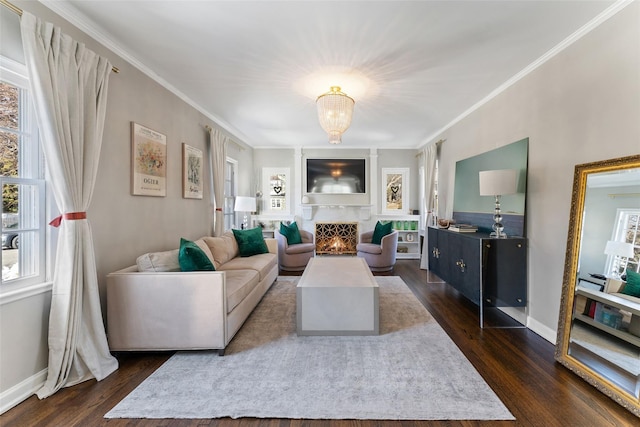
x=380, y=231
x=291, y=232
x=192, y=258
x=251, y=242
x=633, y=284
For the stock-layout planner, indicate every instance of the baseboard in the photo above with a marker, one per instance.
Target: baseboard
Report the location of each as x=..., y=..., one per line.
x=542, y=330
x=21, y=391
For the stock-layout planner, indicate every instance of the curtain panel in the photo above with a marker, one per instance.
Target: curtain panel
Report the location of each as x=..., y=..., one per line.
x=69, y=85
x=217, y=160
x=429, y=158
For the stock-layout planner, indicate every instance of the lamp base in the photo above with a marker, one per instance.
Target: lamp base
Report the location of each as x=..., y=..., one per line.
x=497, y=222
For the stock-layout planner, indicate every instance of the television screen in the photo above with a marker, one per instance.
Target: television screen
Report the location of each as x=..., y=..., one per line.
x=336, y=176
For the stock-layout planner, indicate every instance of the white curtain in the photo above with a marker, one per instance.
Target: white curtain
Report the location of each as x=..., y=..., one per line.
x=69, y=87
x=429, y=156
x=217, y=160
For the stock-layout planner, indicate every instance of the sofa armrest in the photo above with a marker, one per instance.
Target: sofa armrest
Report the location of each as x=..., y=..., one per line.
x=166, y=311
x=272, y=245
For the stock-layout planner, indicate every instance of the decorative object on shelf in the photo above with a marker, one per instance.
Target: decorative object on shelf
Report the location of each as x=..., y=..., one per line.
x=335, y=110
x=395, y=188
x=498, y=183
x=444, y=223
x=148, y=162
x=245, y=204
x=618, y=250
x=191, y=172
x=463, y=228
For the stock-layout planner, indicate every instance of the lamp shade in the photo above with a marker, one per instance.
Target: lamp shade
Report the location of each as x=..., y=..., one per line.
x=498, y=182
x=622, y=249
x=245, y=204
x=335, y=110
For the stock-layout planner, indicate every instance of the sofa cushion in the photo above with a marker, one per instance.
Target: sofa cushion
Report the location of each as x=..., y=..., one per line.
x=380, y=231
x=250, y=242
x=291, y=232
x=223, y=248
x=262, y=263
x=239, y=283
x=632, y=287
x=193, y=258
x=159, y=261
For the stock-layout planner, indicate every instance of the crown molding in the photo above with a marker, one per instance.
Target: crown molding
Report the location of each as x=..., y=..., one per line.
x=89, y=27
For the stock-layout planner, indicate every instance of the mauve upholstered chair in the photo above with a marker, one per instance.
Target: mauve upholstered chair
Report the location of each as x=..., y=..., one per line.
x=380, y=257
x=295, y=257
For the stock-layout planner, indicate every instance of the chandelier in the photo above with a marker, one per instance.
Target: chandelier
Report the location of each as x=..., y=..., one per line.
x=335, y=109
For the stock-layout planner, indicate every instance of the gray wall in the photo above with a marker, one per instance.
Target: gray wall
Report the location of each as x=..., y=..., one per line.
x=580, y=106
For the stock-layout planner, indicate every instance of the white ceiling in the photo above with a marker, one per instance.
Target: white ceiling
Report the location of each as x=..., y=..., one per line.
x=245, y=64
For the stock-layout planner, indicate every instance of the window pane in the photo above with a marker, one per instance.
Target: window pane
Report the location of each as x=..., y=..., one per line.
x=18, y=257
x=9, y=106
x=8, y=154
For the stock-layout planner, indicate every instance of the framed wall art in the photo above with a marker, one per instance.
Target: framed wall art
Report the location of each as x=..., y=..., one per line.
x=148, y=162
x=395, y=191
x=276, y=194
x=192, y=161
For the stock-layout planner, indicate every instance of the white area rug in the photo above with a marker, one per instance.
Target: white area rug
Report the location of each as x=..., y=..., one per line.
x=411, y=371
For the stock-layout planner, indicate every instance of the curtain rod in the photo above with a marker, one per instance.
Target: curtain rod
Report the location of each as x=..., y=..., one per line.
x=15, y=9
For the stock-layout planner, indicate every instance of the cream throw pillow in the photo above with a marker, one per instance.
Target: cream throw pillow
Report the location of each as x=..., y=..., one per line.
x=159, y=261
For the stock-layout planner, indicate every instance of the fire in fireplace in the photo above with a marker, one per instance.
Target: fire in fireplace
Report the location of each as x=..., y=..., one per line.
x=336, y=238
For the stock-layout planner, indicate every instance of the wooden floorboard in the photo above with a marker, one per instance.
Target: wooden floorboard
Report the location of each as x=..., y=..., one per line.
x=516, y=363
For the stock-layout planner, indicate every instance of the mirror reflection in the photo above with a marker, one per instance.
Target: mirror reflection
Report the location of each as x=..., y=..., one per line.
x=599, y=329
x=605, y=333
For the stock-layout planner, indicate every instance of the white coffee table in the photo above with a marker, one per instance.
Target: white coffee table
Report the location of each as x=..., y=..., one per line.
x=337, y=295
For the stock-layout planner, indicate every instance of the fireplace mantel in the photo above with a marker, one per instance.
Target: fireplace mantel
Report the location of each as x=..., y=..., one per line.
x=308, y=210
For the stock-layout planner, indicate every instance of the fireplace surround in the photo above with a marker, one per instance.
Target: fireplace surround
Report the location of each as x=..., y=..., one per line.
x=336, y=238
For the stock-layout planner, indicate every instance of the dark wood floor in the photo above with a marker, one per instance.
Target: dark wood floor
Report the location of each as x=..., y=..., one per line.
x=516, y=363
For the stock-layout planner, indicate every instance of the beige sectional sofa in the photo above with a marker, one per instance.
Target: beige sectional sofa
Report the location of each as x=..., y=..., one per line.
x=154, y=306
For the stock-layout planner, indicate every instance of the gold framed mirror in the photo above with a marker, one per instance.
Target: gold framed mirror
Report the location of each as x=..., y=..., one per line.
x=599, y=323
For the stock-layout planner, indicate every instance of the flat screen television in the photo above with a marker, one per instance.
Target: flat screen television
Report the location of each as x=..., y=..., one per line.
x=336, y=176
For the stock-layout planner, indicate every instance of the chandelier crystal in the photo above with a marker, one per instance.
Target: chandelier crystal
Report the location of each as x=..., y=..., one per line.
x=335, y=109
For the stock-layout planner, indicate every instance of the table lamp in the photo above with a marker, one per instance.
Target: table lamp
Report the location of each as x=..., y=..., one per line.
x=245, y=204
x=498, y=183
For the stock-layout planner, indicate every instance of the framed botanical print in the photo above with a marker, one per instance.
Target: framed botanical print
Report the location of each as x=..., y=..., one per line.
x=192, y=160
x=395, y=191
x=148, y=162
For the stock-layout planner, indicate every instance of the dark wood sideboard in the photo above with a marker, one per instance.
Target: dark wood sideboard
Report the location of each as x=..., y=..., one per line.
x=489, y=272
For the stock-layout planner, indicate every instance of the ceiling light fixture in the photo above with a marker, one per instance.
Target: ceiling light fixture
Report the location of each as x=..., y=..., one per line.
x=335, y=109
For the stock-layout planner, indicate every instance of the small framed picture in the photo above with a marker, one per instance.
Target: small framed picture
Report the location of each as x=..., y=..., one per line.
x=395, y=190
x=148, y=162
x=191, y=172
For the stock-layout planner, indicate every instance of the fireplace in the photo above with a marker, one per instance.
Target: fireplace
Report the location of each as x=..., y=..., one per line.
x=336, y=238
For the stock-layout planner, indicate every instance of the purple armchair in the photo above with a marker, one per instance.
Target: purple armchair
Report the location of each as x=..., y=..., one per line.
x=295, y=257
x=380, y=257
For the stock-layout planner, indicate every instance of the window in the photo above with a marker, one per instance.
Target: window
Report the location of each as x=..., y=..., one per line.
x=626, y=229
x=230, y=191
x=23, y=186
